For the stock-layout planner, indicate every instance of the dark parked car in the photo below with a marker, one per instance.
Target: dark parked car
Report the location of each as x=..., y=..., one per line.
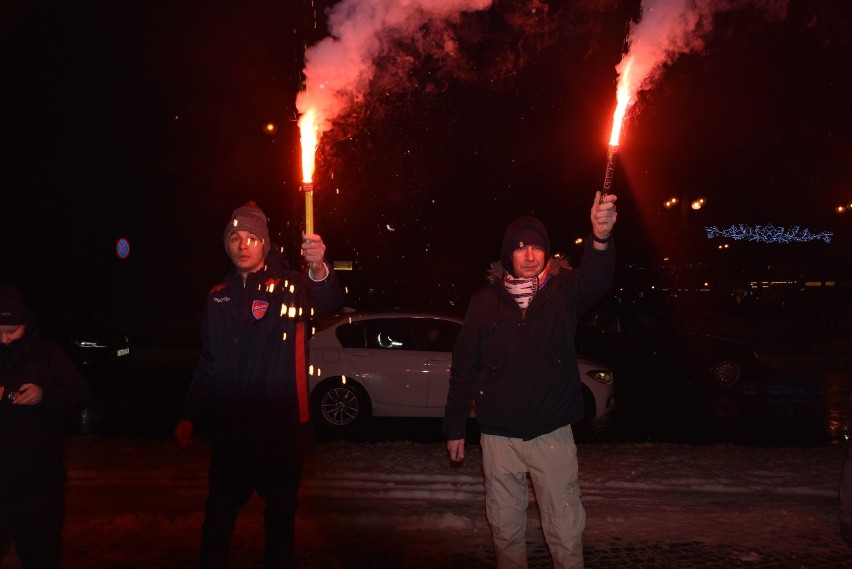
x=93, y=345
x=100, y=351
x=644, y=348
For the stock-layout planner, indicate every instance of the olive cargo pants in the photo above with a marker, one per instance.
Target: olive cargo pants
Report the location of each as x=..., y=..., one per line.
x=551, y=462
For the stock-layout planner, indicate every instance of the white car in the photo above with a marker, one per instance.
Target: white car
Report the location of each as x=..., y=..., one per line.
x=397, y=364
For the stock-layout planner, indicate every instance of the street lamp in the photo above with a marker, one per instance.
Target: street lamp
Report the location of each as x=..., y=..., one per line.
x=687, y=245
x=695, y=205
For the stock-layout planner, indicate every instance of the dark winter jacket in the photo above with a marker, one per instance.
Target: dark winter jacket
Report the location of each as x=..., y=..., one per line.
x=250, y=389
x=31, y=435
x=520, y=367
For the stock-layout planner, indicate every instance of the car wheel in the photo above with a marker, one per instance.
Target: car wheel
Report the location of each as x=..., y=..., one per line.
x=726, y=373
x=589, y=407
x=341, y=406
x=89, y=421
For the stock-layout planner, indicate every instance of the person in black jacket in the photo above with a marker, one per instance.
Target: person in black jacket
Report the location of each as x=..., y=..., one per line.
x=250, y=390
x=40, y=391
x=515, y=357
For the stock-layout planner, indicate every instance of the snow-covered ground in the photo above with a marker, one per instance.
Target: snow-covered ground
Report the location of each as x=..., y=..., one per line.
x=137, y=502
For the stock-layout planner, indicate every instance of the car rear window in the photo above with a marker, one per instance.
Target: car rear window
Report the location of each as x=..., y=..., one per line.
x=421, y=334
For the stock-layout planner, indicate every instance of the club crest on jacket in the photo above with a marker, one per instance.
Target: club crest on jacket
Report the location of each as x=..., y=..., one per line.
x=258, y=308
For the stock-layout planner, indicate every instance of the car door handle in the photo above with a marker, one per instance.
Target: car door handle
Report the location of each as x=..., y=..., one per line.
x=362, y=354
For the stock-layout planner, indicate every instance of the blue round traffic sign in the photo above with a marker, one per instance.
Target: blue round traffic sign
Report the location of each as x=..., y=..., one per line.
x=122, y=248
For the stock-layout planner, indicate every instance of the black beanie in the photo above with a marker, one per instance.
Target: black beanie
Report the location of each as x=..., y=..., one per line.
x=523, y=231
x=248, y=217
x=13, y=309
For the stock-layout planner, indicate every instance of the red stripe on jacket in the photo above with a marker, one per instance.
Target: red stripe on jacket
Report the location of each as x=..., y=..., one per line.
x=301, y=374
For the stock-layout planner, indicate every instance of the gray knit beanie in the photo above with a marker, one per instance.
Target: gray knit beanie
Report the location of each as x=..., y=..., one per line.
x=249, y=217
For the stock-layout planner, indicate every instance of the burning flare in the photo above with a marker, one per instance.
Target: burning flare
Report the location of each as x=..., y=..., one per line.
x=309, y=137
x=625, y=95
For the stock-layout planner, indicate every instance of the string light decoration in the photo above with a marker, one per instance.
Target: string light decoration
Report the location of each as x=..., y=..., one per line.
x=768, y=234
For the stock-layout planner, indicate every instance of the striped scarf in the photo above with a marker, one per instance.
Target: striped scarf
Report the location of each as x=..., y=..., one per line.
x=524, y=289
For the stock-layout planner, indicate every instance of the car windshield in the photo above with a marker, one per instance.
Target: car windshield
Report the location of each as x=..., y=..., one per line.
x=627, y=320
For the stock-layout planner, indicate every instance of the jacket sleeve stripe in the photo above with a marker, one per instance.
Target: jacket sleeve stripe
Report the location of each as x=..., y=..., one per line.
x=301, y=373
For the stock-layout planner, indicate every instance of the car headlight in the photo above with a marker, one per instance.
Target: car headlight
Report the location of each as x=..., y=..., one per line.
x=601, y=375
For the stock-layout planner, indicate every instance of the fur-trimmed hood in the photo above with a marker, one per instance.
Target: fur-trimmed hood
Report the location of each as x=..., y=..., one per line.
x=497, y=271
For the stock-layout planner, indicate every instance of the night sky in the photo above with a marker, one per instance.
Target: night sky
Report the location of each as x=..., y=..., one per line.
x=145, y=120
